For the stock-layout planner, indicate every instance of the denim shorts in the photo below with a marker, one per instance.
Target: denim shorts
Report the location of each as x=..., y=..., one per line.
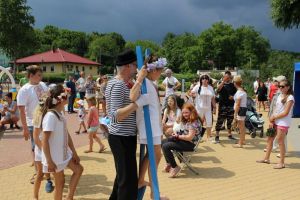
x=30, y=129
x=93, y=129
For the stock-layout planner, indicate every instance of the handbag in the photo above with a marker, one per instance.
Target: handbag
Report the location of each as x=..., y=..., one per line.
x=271, y=132
x=242, y=111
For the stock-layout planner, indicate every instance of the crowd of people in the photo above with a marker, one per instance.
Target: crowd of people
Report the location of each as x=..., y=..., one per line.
x=41, y=111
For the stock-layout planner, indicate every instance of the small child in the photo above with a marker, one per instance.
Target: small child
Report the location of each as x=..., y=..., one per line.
x=58, y=151
x=93, y=125
x=81, y=116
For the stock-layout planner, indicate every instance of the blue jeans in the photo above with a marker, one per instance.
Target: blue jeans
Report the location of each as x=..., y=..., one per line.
x=71, y=102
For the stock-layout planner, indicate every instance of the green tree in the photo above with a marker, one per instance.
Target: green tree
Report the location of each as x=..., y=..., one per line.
x=174, y=49
x=219, y=44
x=285, y=13
x=17, y=36
x=154, y=48
x=252, y=48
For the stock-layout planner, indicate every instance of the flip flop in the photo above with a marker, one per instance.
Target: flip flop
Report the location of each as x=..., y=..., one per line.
x=88, y=151
x=279, y=166
x=237, y=146
x=263, y=161
x=102, y=150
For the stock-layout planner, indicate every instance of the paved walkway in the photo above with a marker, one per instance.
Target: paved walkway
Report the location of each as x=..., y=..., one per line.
x=224, y=173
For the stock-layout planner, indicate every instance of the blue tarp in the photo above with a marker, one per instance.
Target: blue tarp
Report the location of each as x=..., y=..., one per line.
x=297, y=90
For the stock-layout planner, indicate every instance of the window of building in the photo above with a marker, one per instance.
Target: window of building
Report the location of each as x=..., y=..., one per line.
x=83, y=68
x=52, y=68
x=91, y=67
x=44, y=68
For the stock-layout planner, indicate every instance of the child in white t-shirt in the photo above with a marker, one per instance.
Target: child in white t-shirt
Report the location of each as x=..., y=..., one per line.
x=81, y=116
x=58, y=149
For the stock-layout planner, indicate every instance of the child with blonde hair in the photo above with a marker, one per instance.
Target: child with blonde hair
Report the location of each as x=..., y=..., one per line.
x=93, y=125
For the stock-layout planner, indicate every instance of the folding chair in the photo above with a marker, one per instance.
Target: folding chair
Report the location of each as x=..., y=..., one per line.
x=185, y=157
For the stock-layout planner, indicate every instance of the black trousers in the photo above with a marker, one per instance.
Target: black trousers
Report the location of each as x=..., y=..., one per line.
x=82, y=95
x=180, y=145
x=126, y=181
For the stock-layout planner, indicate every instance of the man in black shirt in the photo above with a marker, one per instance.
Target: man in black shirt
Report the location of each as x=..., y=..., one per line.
x=71, y=84
x=226, y=92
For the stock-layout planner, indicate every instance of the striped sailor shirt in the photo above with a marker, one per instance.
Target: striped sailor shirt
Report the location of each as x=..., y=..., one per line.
x=117, y=96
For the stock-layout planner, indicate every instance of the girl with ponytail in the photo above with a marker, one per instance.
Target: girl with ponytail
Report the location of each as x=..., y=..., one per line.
x=58, y=149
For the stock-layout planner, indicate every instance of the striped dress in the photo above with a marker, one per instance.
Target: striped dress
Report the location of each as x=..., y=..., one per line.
x=117, y=96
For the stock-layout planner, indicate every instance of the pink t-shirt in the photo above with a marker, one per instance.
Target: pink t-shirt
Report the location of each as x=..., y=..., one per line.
x=93, y=117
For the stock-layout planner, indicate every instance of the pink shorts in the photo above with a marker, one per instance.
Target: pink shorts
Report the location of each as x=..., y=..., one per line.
x=283, y=128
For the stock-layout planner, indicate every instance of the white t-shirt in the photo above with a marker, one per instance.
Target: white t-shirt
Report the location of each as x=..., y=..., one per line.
x=279, y=108
x=241, y=95
x=58, y=141
x=203, y=101
x=81, y=84
x=155, y=116
x=255, y=86
x=28, y=96
x=168, y=82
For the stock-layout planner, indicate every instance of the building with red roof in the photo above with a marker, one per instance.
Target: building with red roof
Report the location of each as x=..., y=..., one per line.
x=60, y=61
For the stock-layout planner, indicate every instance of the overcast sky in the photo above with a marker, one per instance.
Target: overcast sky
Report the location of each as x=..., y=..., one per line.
x=152, y=19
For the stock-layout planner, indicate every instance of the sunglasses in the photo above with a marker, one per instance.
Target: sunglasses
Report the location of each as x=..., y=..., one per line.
x=281, y=86
x=204, y=78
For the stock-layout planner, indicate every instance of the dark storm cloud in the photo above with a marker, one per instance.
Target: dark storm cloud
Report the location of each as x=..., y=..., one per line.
x=152, y=19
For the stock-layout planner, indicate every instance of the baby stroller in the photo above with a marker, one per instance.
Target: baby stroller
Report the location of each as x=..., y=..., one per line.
x=254, y=121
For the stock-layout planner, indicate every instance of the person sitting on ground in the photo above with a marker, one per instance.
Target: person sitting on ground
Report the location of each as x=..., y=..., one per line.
x=10, y=112
x=171, y=113
x=184, y=140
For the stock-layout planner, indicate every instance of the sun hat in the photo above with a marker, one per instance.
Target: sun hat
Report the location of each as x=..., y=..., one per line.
x=279, y=78
x=126, y=57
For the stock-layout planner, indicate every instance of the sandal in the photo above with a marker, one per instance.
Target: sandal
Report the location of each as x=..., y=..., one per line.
x=279, y=166
x=263, y=161
x=32, y=180
x=237, y=146
x=102, y=149
x=88, y=151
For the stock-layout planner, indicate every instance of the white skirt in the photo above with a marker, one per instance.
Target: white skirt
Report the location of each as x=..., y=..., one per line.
x=37, y=154
x=60, y=166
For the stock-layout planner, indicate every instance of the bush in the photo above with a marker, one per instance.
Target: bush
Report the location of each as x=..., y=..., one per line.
x=54, y=77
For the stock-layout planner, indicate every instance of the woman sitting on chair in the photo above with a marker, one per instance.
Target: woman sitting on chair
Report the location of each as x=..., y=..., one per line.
x=183, y=139
x=10, y=112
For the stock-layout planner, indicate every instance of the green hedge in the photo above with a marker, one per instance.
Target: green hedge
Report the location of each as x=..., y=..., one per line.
x=54, y=77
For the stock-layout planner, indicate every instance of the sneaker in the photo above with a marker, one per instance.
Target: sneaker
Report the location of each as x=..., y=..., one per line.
x=231, y=137
x=2, y=128
x=167, y=168
x=217, y=140
x=174, y=171
x=49, y=186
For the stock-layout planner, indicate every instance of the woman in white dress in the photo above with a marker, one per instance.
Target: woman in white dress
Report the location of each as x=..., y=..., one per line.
x=205, y=102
